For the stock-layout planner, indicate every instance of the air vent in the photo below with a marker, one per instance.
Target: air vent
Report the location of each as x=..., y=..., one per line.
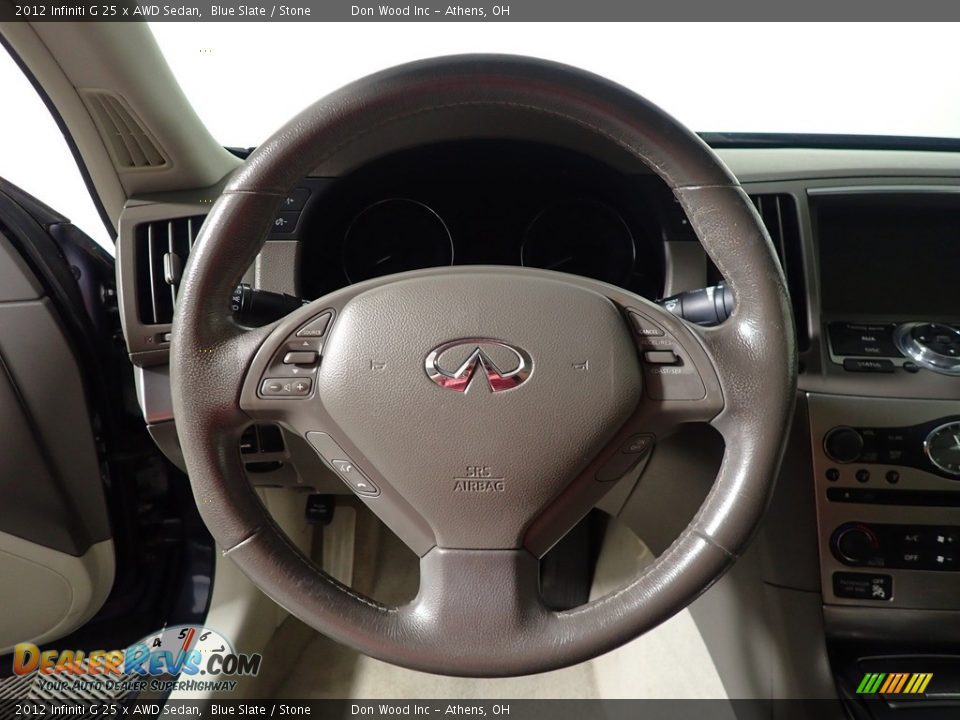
x=161, y=253
x=129, y=143
x=779, y=214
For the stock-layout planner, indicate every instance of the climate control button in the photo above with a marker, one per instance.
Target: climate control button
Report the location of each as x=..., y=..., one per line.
x=856, y=544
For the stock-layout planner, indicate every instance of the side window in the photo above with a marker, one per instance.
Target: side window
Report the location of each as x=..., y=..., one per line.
x=35, y=156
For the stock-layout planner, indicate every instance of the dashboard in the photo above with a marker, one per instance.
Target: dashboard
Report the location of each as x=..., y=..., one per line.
x=869, y=242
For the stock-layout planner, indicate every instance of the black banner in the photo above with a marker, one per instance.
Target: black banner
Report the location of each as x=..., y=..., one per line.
x=435, y=709
x=498, y=11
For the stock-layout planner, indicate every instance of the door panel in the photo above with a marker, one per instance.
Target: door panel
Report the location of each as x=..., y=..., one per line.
x=56, y=549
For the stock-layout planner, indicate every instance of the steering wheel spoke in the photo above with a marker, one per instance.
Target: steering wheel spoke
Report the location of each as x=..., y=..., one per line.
x=482, y=598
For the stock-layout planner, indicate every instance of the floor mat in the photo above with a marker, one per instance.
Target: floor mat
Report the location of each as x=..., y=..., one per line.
x=669, y=662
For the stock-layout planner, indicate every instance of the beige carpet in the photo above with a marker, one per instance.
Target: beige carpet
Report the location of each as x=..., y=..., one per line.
x=669, y=662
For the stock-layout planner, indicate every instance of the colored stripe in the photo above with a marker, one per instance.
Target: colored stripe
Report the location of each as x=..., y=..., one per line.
x=894, y=683
x=891, y=686
x=891, y=679
x=913, y=681
x=903, y=681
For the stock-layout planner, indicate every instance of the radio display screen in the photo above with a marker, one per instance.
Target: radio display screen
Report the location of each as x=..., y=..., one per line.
x=889, y=256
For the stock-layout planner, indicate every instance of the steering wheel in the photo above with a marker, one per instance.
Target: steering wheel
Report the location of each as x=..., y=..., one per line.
x=480, y=412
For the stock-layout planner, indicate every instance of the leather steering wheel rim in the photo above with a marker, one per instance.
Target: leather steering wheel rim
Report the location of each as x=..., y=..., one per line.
x=476, y=613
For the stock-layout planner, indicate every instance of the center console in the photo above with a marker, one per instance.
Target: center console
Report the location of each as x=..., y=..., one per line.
x=887, y=465
x=885, y=427
x=888, y=515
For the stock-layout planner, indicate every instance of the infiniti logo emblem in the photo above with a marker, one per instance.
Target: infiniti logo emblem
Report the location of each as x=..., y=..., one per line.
x=453, y=364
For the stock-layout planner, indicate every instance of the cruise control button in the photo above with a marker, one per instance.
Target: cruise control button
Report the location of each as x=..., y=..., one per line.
x=316, y=327
x=286, y=387
x=668, y=372
x=334, y=456
x=661, y=357
x=300, y=357
x=673, y=382
x=644, y=326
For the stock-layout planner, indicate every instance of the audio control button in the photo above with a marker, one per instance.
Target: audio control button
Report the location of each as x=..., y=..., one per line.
x=285, y=387
x=316, y=327
x=843, y=444
x=931, y=345
x=868, y=365
x=858, y=339
x=300, y=357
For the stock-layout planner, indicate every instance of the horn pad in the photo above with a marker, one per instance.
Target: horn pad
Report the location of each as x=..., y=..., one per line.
x=479, y=396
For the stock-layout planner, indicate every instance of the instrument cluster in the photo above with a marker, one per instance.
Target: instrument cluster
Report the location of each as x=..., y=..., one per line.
x=483, y=203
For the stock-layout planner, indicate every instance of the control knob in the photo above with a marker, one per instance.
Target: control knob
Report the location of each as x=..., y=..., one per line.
x=934, y=346
x=843, y=444
x=855, y=544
